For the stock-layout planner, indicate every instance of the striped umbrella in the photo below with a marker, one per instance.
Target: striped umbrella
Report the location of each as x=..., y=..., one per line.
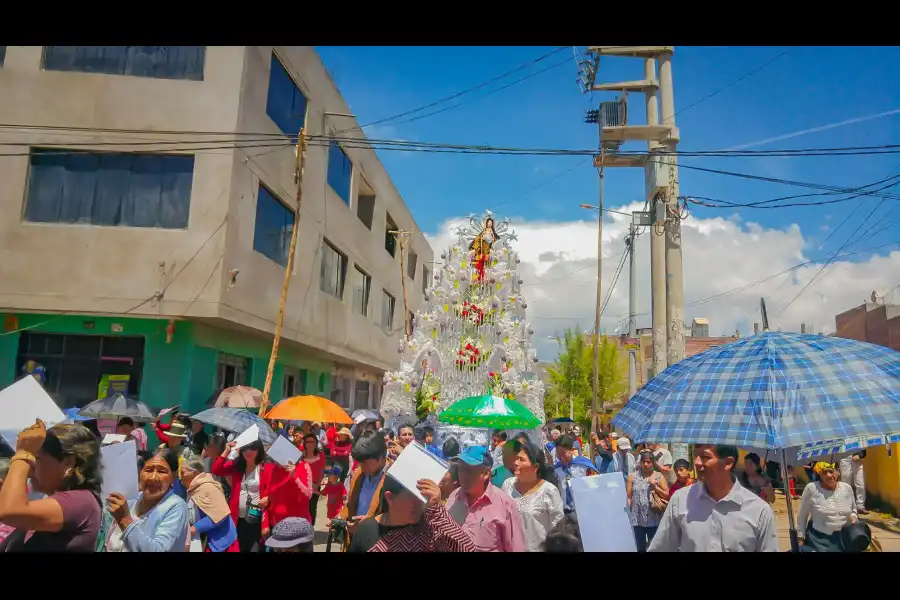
x=116, y=406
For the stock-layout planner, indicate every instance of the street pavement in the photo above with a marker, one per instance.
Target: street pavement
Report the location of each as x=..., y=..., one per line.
x=890, y=540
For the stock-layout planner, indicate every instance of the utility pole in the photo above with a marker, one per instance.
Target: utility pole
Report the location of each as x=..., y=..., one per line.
x=402, y=237
x=674, y=266
x=632, y=309
x=595, y=409
x=657, y=240
x=289, y=267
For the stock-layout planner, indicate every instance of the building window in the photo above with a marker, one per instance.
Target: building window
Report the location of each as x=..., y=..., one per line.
x=2, y=55
x=333, y=271
x=387, y=310
x=340, y=171
x=76, y=364
x=365, y=209
x=322, y=382
x=341, y=390
x=127, y=190
x=160, y=62
x=286, y=104
x=390, y=238
x=231, y=371
x=362, y=284
x=292, y=384
x=411, y=320
x=273, y=227
x=361, y=395
x=426, y=279
x=411, y=264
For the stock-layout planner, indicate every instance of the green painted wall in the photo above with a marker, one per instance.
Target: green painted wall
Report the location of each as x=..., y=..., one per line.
x=183, y=371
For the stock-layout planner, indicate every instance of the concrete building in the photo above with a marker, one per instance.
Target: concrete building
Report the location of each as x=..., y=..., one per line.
x=148, y=216
x=877, y=323
x=699, y=328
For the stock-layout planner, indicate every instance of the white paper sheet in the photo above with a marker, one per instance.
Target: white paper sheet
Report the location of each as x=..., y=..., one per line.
x=119, y=466
x=415, y=463
x=22, y=403
x=284, y=452
x=112, y=438
x=250, y=435
x=602, y=508
x=196, y=545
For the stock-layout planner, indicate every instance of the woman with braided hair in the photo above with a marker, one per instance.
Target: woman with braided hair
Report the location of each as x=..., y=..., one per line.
x=62, y=462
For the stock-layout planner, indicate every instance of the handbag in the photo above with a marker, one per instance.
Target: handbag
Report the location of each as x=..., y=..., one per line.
x=254, y=512
x=657, y=504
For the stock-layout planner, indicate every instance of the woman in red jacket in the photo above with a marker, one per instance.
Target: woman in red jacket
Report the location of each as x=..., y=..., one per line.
x=250, y=480
x=286, y=495
x=316, y=461
x=340, y=452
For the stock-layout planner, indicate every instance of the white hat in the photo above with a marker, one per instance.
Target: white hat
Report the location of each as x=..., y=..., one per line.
x=614, y=435
x=624, y=444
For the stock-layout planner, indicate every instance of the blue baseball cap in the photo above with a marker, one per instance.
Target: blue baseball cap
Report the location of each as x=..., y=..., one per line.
x=476, y=456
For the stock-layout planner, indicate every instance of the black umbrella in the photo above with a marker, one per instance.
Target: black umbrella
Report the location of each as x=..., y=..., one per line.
x=116, y=406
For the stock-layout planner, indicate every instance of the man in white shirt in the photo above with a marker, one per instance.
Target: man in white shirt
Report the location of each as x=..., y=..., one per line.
x=717, y=515
x=664, y=462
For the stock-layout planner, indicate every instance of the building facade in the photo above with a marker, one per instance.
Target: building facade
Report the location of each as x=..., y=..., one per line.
x=877, y=323
x=150, y=194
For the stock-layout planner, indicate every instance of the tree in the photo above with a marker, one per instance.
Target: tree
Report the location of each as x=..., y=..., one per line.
x=571, y=376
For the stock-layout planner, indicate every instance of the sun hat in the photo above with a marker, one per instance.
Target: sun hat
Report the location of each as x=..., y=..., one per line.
x=624, y=444
x=291, y=532
x=176, y=430
x=345, y=431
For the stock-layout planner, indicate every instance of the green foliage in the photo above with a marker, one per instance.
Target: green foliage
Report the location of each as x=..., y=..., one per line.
x=571, y=376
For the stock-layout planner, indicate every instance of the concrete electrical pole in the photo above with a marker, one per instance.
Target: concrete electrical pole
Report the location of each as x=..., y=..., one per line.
x=632, y=309
x=674, y=266
x=657, y=239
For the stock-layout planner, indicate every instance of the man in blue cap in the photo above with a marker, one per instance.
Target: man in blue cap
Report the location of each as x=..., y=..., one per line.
x=569, y=466
x=487, y=514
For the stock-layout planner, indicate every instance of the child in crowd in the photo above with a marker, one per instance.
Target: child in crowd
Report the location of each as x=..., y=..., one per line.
x=683, y=477
x=335, y=491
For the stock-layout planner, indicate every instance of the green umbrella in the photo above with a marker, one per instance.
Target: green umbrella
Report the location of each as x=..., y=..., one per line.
x=489, y=411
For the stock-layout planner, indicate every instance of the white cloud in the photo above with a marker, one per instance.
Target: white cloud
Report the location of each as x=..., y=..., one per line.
x=720, y=254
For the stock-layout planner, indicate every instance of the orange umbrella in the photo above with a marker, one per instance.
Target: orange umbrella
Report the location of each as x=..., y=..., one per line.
x=309, y=408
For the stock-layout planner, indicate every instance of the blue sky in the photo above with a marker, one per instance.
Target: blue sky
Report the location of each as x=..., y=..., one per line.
x=804, y=89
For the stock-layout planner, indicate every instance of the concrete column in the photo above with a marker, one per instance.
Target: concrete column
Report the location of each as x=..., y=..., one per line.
x=674, y=266
x=657, y=245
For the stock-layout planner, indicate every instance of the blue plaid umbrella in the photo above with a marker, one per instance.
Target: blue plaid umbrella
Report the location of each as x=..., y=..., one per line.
x=773, y=390
x=236, y=420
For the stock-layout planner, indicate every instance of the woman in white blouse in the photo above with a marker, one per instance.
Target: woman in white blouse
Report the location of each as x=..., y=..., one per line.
x=534, y=489
x=830, y=505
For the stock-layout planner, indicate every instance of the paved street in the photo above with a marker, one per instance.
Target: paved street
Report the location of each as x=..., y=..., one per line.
x=890, y=541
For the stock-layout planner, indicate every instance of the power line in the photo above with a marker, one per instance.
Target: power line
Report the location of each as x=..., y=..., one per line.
x=468, y=90
x=732, y=84
x=744, y=287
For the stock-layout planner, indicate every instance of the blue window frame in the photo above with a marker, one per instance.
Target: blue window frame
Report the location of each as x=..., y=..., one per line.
x=2, y=55
x=274, y=223
x=161, y=62
x=125, y=190
x=340, y=171
x=285, y=104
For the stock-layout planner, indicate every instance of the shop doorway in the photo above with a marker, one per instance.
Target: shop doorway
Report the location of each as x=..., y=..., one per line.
x=75, y=364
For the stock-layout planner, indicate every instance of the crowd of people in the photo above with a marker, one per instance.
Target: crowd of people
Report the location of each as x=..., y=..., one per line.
x=199, y=493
